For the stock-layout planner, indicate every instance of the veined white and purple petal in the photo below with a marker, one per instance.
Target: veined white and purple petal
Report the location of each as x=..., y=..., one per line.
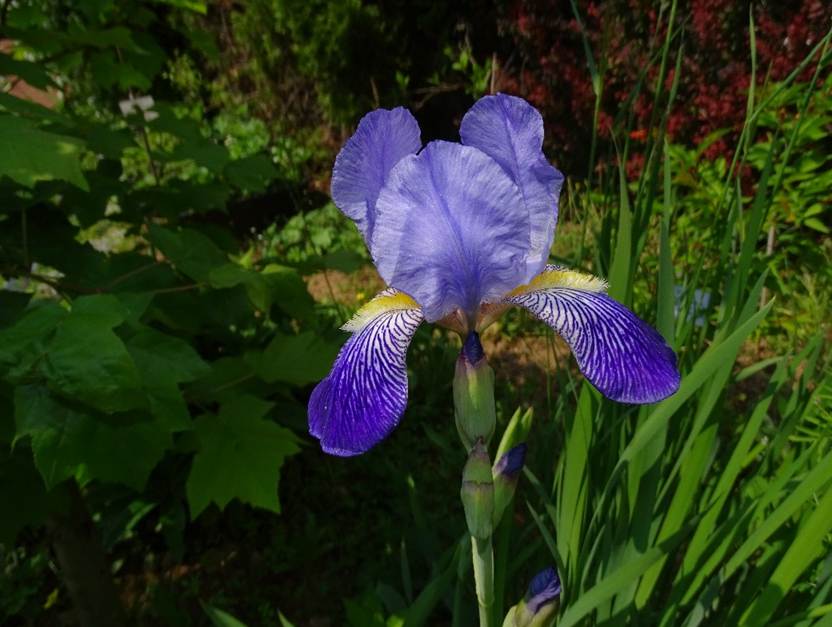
x=621, y=355
x=382, y=139
x=365, y=394
x=451, y=229
x=510, y=131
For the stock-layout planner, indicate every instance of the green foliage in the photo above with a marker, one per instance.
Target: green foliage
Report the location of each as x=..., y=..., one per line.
x=700, y=510
x=239, y=456
x=321, y=238
x=29, y=154
x=124, y=305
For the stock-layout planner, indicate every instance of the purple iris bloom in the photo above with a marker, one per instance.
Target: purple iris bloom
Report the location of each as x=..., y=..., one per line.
x=460, y=232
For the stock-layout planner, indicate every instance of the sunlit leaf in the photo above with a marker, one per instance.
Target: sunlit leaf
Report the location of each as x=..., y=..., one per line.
x=69, y=441
x=29, y=155
x=240, y=455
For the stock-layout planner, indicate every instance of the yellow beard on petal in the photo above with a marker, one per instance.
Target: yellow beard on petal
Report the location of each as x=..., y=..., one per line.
x=388, y=300
x=568, y=279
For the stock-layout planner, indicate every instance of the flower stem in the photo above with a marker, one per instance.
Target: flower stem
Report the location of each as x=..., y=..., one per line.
x=483, y=556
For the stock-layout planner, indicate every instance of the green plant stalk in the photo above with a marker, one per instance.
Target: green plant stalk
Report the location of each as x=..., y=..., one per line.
x=483, y=559
x=475, y=416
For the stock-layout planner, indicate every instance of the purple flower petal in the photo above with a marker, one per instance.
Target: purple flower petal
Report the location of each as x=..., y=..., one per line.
x=382, y=138
x=622, y=356
x=511, y=463
x=451, y=230
x=365, y=394
x=510, y=131
x=544, y=588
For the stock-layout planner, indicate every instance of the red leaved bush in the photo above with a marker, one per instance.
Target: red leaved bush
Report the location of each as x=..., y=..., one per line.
x=626, y=37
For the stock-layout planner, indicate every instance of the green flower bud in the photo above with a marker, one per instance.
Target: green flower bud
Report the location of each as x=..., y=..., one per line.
x=505, y=474
x=474, y=394
x=477, y=492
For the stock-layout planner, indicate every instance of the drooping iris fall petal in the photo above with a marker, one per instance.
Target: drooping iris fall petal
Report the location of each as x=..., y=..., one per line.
x=510, y=131
x=451, y=229
x=382, y=139
x=621, y=355
x=364, y=396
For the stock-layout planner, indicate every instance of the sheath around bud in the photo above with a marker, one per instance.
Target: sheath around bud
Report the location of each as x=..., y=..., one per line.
x=539, y=605
x=477, y=492
x=505, y=474
x=474, y=393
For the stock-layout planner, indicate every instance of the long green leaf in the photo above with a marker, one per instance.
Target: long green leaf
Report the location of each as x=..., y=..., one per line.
x=807, y=546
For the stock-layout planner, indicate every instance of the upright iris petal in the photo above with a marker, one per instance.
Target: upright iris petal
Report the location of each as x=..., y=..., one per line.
x=451, y=230
x=382, y=139
x=510, y=131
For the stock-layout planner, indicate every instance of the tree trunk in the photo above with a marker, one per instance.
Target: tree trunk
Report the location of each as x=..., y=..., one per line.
x=84, y=566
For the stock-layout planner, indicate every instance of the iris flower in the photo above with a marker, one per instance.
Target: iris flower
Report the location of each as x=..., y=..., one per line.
x=460, y=232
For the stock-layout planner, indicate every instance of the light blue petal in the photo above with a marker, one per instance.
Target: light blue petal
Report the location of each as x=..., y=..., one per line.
x=621, y=355
x=510, y=131
x=382, y=138
x=451, y=230
x=365, y=394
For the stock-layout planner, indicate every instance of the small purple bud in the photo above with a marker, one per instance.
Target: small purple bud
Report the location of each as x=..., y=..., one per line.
x=472, y=348
x=543, y=589
x=510, y=464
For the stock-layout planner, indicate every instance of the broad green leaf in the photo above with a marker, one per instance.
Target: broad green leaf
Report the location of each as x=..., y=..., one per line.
x=240, y=455
x=108, y=142
x=87, y=361
x=68, y=441
x=252, y=174
x=169, y=356
x=32, y=73
x=29, y=109
x=298, y=359
x=276, y=284
x=191, y=252
x=116, y=37
x=29, y=155
x=22, y=346
x=226, y=376
x=201, y=151
x=163, y=361
x=289, y=291
x=231, y=274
